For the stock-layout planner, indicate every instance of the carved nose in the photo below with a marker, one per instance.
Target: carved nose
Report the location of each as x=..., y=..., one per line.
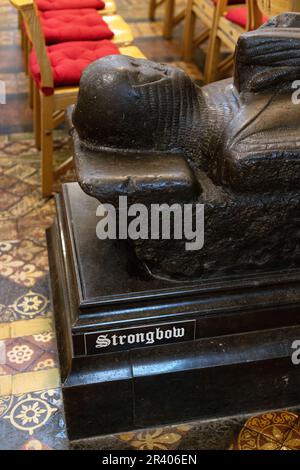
x=146, y=77
x=140, y=74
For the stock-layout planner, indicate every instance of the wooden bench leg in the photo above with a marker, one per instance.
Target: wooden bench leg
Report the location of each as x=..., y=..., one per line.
x=47, y=144
x=169, y=19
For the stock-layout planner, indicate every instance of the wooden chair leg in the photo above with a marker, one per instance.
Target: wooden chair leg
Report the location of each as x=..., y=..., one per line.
x=152, y=8
x=188, y=32
x=26, y=51
x=214, y=45
x=36, y=116
x=153, y=5
x=212, y=58
x=31, y=93
x=169, y=19
x=20, y=20
x=22, y=38
x=47, y=144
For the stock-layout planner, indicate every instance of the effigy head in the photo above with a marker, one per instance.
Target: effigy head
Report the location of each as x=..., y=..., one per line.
x=132, y=103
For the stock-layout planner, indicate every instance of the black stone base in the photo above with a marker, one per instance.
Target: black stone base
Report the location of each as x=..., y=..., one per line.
x=233, y=335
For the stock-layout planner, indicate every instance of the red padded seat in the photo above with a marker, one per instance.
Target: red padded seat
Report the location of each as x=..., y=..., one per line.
x=69, y=59
x=74, y=25
x=45, y=5
x=233, y=2
x=239, y=16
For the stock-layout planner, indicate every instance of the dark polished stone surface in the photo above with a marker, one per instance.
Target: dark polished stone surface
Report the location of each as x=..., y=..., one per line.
x=244, y=329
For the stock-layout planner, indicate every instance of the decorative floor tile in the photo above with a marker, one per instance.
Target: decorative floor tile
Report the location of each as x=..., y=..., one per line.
x=292, y=441
x=7, y=314
x=33, y=225
x=275, y=425
x=21, y=355
x=23, y=262
x=277, y=430
x=36, y=420
x=18, y=148
x=166, y=438
x=46, y=361
x=31, y=305
x=20, y=170
x=24, y=206
x=8, y=200
x=29, y=353
x=8, y=229
x=252, y=440
x=35, y=444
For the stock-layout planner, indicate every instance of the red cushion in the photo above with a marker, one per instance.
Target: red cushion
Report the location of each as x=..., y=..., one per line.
x=74, y=25
x=233, y=2
x=239, y=16
x=45, y=5
x=69, y=59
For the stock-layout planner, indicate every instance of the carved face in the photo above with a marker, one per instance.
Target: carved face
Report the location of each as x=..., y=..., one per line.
x=131, y=103
x=139, y=72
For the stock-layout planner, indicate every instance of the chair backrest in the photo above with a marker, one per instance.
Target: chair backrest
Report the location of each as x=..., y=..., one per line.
x=223, y=5
x=30, y=15
x=269, y=8
x=275, y=7
x=205, y=10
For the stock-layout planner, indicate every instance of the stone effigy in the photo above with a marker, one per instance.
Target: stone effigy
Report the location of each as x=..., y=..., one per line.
x=146, y=131
x=175, y=334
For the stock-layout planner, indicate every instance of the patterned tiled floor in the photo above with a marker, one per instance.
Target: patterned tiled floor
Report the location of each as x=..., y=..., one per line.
x=31, y=415
x=270, y=431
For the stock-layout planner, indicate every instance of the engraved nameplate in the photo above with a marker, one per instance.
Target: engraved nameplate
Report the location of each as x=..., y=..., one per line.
x=139, y=337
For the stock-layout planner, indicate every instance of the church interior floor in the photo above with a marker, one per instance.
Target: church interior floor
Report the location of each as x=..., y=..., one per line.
x=31, y=411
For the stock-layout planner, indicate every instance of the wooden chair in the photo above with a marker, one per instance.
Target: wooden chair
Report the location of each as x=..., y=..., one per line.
x=122, y=35
x=110, y=9
x=196, y=9
x=205, y=11
x=269, y=8
x=227, y=32
x=113, y=21
x=153, y=5
x=224, y=32
x=49, y=108
x=171, y=19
